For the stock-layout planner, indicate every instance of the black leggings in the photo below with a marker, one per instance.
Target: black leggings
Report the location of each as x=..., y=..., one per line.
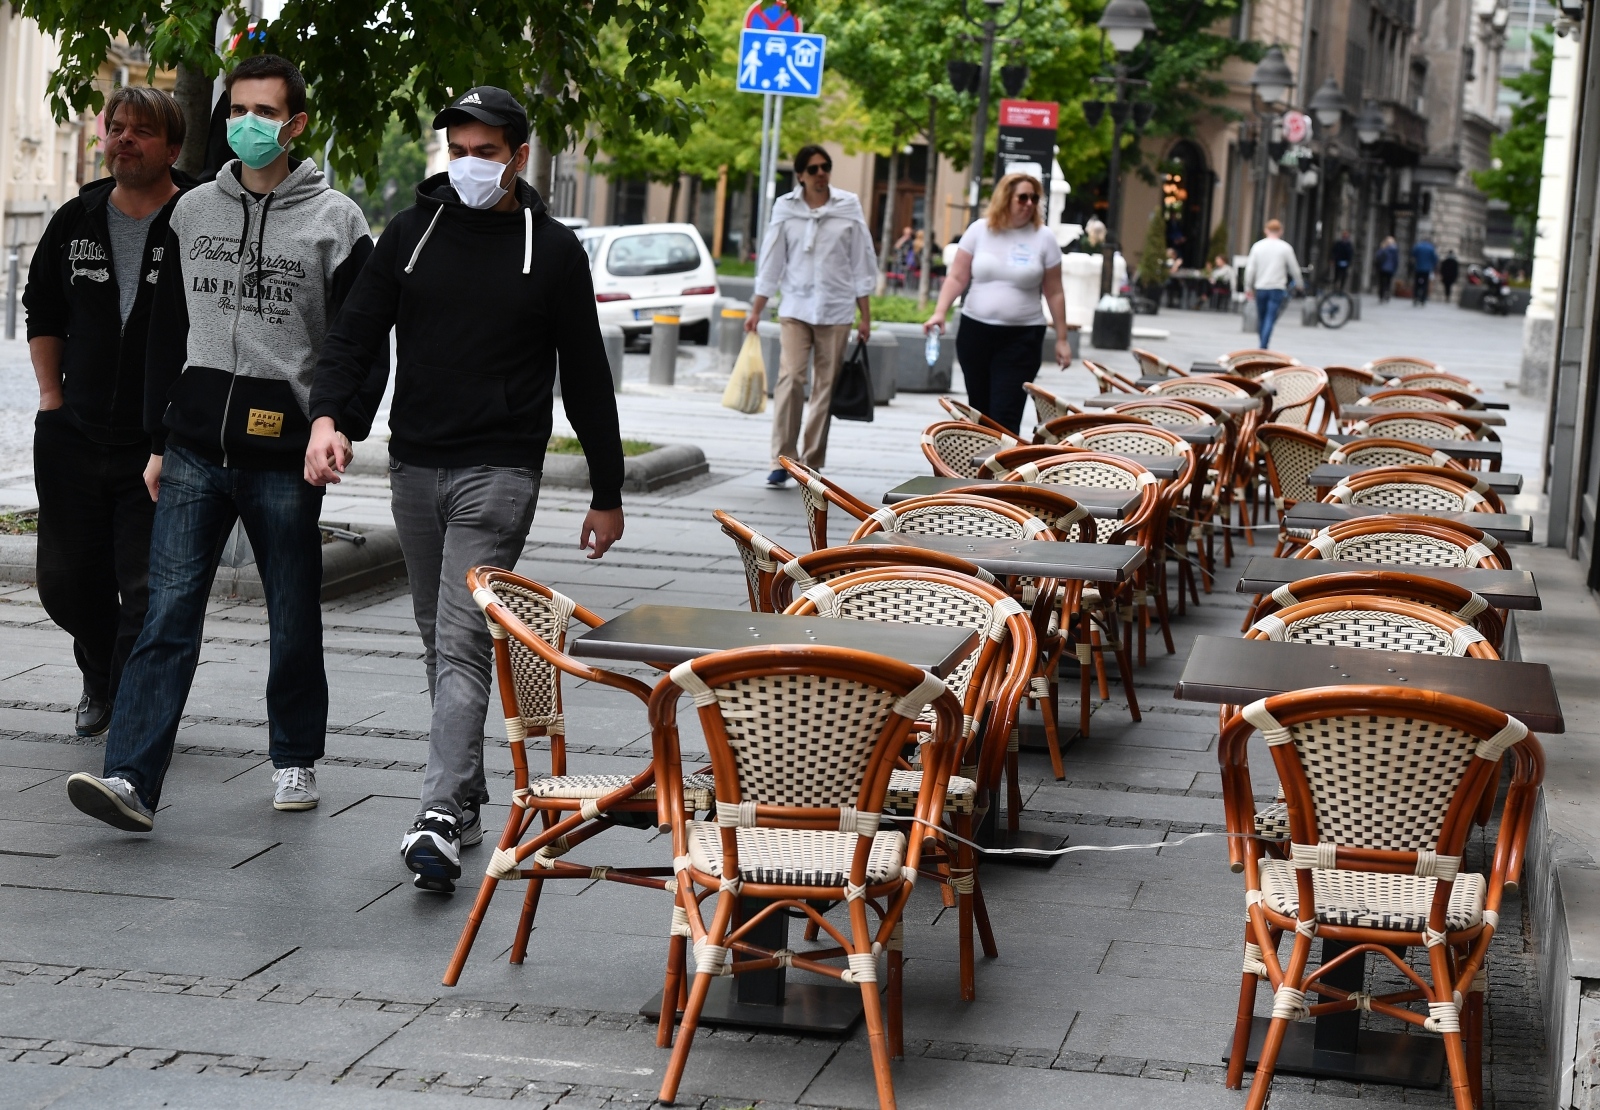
x=997, y=361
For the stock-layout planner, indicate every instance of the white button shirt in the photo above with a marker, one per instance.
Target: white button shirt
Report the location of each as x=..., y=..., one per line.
x=820, y=259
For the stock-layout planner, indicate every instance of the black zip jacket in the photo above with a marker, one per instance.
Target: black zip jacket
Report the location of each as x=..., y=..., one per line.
x=72, y=294
x=482, y=303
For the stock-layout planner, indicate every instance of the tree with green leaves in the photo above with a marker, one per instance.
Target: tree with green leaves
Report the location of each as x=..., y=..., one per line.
x=1518, y=152
x=582, y=67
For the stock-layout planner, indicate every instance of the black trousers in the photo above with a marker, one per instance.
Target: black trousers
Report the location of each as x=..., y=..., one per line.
x=997, y=361
x=94, y=544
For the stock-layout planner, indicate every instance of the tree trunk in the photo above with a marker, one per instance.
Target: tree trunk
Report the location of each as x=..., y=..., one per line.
x=193, y=93
x=672, y=199
x=886, y=232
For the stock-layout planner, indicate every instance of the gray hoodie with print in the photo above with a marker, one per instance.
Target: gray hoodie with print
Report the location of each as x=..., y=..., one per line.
x=248, y=288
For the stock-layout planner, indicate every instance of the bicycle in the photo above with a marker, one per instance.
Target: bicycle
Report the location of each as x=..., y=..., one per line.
x=1334, y=308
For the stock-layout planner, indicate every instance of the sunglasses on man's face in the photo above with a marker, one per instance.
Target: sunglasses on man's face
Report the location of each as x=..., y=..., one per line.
x=819, y=167
x=1026, y=198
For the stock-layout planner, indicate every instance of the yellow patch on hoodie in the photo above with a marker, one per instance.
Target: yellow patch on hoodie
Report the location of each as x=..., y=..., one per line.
x=264, y=423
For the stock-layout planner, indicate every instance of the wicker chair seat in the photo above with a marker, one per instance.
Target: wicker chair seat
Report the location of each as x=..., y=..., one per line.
x=796, y=857
x=1410, y=497
x=1403, y=548
x=1361, y=628
x=1372, y=900
x=699, y=791
x=960, y=794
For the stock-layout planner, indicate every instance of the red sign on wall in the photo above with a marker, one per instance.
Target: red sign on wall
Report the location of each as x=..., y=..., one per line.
x=1030, y=113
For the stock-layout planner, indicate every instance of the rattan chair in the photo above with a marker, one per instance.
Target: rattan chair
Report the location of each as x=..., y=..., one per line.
x=1345, y=384
x=1068, y=519
x=1062, y=426
x=816, y=494
x=1047, y=406
x=1109, y=380
x=1415, y=426
x=951, y=446
x=761, y=558
x=1373, y=622
x=1378, y=867
x=1458, y=601
x=1257, y=366
x=1166, y=413
x=804, y=571
x=1403, y=400
x=1421, y=489
x=1202, y=386
x=1152, y=365
x=1430, y=379
x=1296, y=391
x=1231, y=357
x=990, y=684
x=529, y=624
x=1292, y=454
x=1398, y=366
x=803, y=741
x=1372, y=453
x=960, y=410
x=1401, y=540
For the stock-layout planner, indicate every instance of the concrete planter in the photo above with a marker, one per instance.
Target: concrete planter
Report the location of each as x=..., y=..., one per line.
x=739, y=288
x=1471, y=297
x=1047, y=348
x=641, y=474
x=912, y=372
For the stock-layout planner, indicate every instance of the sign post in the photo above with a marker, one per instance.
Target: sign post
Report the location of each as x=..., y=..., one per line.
x=776, y=59
x=1026, y=143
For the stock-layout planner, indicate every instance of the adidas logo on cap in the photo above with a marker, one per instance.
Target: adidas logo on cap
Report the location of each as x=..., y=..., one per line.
x=470, y=98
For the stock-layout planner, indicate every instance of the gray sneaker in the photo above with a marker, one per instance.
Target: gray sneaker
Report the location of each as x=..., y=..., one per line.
x=297, y=788
x=471, y=827
x=112, y=800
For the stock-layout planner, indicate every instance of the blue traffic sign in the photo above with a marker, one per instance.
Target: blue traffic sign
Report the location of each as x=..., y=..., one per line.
x=780, y=62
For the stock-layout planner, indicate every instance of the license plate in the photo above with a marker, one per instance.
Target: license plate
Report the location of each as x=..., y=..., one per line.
x=643, y=313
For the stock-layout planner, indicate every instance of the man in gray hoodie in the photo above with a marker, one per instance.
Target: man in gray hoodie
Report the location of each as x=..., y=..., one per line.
x=818, y=253
x=255, y=266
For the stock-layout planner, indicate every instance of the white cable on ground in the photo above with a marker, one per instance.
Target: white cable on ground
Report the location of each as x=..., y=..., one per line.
x=1081, y=847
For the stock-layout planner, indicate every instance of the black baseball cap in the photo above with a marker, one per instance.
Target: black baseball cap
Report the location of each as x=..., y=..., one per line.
x=487, y=104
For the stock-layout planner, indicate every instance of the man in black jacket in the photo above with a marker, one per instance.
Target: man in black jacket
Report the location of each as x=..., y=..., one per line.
x=485, y=290
x=90, y=290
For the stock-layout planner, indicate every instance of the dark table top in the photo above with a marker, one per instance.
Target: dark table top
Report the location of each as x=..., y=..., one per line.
x=1201, y=435
x=1506, y=527
x=671, y=634
x=1233, y=671
x=1112, y=504
x=1226, y=404
x=1327, y=476
x=1087, y=562
x=1201, y=366
x=1165, y=467
x=1504, y=589
x=1455, y=448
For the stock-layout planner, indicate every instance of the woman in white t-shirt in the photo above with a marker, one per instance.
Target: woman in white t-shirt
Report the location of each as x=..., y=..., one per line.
x=1004, y=262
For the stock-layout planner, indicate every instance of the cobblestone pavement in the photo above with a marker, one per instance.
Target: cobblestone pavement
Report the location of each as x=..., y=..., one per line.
x=237, y=942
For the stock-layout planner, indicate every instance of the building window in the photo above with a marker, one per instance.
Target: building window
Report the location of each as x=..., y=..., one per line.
x=628, y=197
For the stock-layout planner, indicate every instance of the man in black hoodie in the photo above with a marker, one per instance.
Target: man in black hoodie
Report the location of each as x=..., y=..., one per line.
x=485, y=291
x=89, y=296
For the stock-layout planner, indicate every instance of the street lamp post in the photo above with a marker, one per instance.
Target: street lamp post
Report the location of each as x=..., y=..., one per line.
x=1369, y=129
x=990, y=27
x=1125, y=23
x=1328, y=108
x=1269, y=87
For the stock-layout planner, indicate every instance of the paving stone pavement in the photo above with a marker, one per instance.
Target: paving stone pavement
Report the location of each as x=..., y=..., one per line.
x=237, y=942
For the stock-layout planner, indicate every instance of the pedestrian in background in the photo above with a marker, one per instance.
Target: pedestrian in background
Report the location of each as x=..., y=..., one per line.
x=87, y=341
x=1344, y=253
x=818, y=254
x=255, y=265
x=476, y=366
x=1424, y=260
x=1270, y=273
x=1387, y=260
x=1004, y=263
x=1449, y=272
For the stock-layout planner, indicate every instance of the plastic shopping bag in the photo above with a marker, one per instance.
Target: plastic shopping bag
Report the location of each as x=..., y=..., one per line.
x=747, y=389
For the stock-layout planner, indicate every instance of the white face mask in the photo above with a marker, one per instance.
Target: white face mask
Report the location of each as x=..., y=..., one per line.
x=477, y=181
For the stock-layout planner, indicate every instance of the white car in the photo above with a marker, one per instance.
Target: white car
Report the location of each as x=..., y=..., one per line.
x=642, y=269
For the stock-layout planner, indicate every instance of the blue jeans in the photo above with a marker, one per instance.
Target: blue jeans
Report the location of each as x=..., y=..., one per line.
x=197, y=508
x=1269, y=303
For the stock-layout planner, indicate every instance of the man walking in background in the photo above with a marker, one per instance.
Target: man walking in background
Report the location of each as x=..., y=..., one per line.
x=485, y=291
x=1271, y=271
x=1449, y=271
x=1344, y=253
x=254, y=266
x=1388, y=261
x=90, y=290
x=1424, y=260
x=818, y=254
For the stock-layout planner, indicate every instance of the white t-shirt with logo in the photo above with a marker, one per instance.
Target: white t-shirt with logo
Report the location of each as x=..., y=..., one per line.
x=1007, y=273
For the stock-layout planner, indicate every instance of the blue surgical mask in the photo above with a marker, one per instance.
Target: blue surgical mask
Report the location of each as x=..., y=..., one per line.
x=255, y=140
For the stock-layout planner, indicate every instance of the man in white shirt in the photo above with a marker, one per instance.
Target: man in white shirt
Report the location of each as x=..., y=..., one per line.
x=1268, y=276
x=818, y=253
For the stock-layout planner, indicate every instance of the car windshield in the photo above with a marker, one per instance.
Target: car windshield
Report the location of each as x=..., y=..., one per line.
x=660, y=252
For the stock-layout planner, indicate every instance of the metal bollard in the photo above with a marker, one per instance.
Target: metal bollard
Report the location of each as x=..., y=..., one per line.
x=615, y=340
x=731, y=335
x=664, y=349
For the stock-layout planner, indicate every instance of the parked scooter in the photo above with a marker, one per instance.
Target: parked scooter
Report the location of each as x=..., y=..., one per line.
x=1496, y=293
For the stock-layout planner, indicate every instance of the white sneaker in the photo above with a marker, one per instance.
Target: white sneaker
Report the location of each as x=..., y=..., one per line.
x=297, y=788
x=432, y=850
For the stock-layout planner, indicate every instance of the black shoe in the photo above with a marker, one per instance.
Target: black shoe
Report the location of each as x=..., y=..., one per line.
x=93, y=716
x=432, y=850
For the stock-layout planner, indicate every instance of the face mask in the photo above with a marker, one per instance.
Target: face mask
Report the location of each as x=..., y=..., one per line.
x=255, y=140
x=477, y=181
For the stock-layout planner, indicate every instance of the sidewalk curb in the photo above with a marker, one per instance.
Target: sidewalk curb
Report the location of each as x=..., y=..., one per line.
x=346, y=567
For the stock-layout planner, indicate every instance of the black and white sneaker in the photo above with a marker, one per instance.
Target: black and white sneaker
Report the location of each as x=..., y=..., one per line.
x=432, y=850
x=112, y=800
x=471, y=827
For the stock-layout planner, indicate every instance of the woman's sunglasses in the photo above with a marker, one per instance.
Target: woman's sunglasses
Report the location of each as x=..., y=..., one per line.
x=818, y=167
x=1026, y=198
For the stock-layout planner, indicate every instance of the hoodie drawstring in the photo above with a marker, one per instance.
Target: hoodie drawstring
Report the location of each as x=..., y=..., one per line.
x=437, y=212
x=527, y=239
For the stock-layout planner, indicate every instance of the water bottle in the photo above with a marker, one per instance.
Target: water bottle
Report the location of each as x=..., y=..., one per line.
x=930, y=349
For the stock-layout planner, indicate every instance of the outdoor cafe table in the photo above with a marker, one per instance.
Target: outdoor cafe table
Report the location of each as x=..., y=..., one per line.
x=1503, y=589
x=1455, y=448
x=665, y=635
x=1467, y=416
x=1084, y=562
x=1315, y=515
x=1164, y=467
x=1328, y=475
x=1111, y=504
x=1231, y=405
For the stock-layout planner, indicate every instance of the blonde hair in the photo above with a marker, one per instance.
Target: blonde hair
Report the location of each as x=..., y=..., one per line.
x=999, y=215
x=1275, y=225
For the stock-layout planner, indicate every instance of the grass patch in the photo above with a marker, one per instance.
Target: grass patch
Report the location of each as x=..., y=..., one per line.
x=894, y=309
x=736, y=267
x=569, y=445
x=22, y=523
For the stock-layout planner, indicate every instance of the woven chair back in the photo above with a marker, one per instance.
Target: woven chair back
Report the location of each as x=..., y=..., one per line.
x=1398, y=366
x=1347, y=382
x=547, y=614
x=1391, y=452
x=1410, y=400
x=1418, y=490
x=1252, y=352
x=816, y=494
x=1202, y=386
x=1099, y=471
x=1292, y=454
x=1257, y=366
x=1066, y=517
x=761, y=558
x=1062, y=426
x=1109, y=380
x=1458, y=601
x=1046, y=405
x=1410, y=425
x=1376, y=623
x=960, y=410
x=949, y=515
x=1152, y=365
x=1406, y=541
x=951, y=447
x=1167, y=414
x=1437, y=380
x=804, y=571
x=1130, y=439
x=1296, y=390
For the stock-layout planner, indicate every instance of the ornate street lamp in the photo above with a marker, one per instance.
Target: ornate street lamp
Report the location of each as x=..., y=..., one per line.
x=1125, y=23
x=1269, y=87
x=1328, y=106
x=1369, y=124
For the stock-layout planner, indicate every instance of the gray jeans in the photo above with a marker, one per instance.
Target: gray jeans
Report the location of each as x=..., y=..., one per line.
x=450, y=521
